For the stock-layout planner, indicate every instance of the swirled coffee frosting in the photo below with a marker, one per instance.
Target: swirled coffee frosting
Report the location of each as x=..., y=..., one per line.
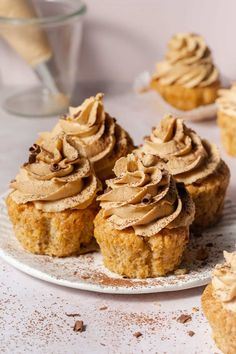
x=188, y=63
x=187, y=157
x=224, y=281
x=227, y=101
x=56, y=177
x=95, y=134
x=144, y=197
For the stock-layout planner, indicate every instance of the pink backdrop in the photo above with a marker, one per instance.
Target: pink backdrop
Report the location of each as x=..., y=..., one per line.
x=124, y=37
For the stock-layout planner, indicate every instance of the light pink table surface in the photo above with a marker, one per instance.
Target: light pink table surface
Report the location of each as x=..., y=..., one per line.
x=32, y=313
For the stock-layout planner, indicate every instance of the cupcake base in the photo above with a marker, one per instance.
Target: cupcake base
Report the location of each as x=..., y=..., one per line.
x=223, y=322
x=184, y=98
x=227, y=126
x=55, y=234
x=208, y=197
x=139, y=257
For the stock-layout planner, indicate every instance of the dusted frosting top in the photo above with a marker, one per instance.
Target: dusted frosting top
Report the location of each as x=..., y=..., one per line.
x=188, y=157
x=224, y=281
x=145, y=197
x=227, y=101
x=95, y=134
x=56, y=177
x=188, y=63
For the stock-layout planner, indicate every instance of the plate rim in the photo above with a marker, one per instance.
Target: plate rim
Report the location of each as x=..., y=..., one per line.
x=93, y=287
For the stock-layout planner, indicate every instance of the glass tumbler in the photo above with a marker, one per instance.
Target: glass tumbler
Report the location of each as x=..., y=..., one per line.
x=46, y=34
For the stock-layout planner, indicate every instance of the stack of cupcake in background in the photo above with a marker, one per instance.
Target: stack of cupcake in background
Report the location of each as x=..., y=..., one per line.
x=187, y=78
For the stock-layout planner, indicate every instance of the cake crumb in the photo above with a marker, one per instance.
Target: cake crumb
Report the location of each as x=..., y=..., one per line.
x=79, y=326
x=181, y=271
x=137, y=334
x=184, y=318
x=103, y=308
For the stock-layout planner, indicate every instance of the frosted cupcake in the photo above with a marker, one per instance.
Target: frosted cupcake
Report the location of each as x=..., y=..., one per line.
x=187, y=78
x=52, y=205
x=227, y=118
x=143, y=225
x=96, y=135
x=219, y=304
x=194, y=162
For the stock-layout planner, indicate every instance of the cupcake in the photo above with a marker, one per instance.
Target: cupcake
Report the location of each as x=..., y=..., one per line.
x=194, y=162
x=219, y=304
x=227, y=118
x=96, y=135
x=143, y=225
x=187, y=78
x=53, y=202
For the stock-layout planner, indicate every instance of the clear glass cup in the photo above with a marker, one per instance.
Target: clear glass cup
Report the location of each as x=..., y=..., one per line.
x=47, y=35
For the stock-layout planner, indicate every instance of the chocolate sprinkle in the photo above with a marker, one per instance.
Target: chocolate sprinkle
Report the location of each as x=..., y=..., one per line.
x=55, y=167
x=184, y=318
x=79, y=326
x=35, y=149
x=137, y=334
x=103, y=308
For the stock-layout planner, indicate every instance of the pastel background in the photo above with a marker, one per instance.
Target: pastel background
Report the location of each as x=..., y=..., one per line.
x=124, y=37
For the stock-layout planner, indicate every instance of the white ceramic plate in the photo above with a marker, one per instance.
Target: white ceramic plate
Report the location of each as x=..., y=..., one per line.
x=87, y=272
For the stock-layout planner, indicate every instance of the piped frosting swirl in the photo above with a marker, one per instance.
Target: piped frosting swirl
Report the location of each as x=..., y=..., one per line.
x=227, y=101
x=145, y=197
x=188, y=63
x=187, y=157
x=224, y=281
x=95, y=134
x=56, y=177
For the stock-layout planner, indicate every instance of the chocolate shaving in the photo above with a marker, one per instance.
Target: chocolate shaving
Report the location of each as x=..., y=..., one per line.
x=147, y=199
x=72, y=314
x=79, y=326
x=32, y=158
x=35, y=149
x=191, y=333
x=55, y=167
x=137, y=334
x=103, y=308
x=184, y=318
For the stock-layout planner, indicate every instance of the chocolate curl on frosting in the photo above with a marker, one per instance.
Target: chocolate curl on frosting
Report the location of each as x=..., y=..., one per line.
x=187, y=157
x=139, y=178
x=58, y=179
